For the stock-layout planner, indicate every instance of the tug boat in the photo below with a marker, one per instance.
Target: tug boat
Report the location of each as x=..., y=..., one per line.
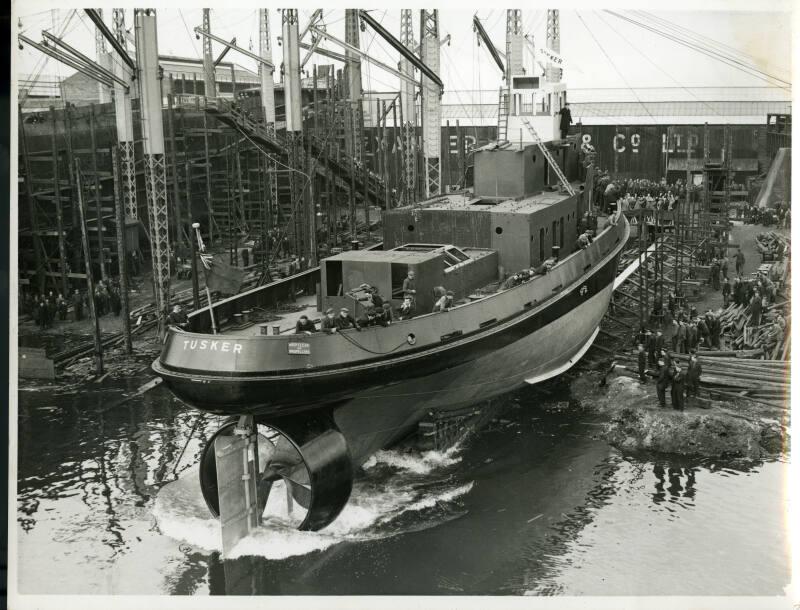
x=324, y=403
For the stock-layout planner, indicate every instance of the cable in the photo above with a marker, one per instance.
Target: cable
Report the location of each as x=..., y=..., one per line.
x=366, y=349
x=611, y=61
x=635, y=48
x=191, y=38
x=751, y=71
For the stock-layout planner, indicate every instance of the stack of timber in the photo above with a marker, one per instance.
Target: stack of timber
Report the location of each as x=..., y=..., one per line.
x=731, y=375
x=767, y=340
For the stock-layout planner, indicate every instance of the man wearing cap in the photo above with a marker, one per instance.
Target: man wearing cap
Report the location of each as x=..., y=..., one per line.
x=662, y=382
x=384, y=317
x=304, y=325
x=410, y=286
x=693, y=376
x=329, y=321
x=345, y=321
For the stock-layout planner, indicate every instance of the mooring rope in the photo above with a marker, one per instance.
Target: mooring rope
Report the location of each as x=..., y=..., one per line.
x=366, y=349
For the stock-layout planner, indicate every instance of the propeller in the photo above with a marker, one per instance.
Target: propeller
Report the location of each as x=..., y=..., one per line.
x=282, y=461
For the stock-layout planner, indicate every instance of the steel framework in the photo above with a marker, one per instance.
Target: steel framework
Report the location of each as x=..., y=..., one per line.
x=124, y=117
x=154, y=158
x=208, y=58
x=431, y=102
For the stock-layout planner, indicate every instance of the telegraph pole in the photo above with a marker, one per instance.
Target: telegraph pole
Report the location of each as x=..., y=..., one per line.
x=154, y=165
x=431, y=102
x=265, y=73
x=103, y=58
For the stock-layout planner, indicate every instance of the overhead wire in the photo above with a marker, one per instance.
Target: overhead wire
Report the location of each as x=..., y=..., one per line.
x=750, y=70
x=611, y=61
x=640, y=52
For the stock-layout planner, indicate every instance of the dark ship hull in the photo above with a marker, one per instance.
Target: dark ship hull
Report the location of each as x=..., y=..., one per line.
x=378, y=384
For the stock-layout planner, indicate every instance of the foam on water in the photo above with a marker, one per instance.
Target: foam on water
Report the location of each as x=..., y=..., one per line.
x=417, y=463
x=372, y=512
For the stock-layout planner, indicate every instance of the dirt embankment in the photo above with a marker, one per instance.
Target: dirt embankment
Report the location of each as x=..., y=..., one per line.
x=634, y=422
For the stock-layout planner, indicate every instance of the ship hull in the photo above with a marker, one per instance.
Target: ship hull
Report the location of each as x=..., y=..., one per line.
x=376, y=401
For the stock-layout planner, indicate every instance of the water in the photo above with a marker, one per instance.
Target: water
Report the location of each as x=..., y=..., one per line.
x=535, y=503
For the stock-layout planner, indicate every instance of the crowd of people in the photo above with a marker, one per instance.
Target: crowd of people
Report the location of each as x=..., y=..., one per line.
x=655, y=360
x=48, y=308
x=779, y=216
x=637, y=193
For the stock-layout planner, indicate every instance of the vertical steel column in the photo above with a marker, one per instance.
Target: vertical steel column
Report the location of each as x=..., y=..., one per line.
x=209, y=166
x=154, y=166
x=408, y=112
x=352, y=68
x=209, y=74
x=62, y=250
x=173, y=163
x=265, y=73
x=104, y=59
x=294, y=120
x=124, y=116
x=431, y=102
x=553, y=73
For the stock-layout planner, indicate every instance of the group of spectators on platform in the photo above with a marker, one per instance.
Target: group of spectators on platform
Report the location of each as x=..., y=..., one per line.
x=49, y=308
x=779, y=217
x=637, y=193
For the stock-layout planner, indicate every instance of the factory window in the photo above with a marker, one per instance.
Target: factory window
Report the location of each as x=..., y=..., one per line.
x=541, y=244
x=498, y=230
x=333, y=278
x=561, y=234
x=553, y=234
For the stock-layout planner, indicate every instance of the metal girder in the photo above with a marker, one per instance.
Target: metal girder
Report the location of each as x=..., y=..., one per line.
x=103, y=95
x=80, y=57
x=124, y=120
x=431, y=102
x=514, y=43
x=358, y=52
x=232, y=46
x=210, y=76
x=224, y=52
x=315, y=48
x=265, y=73
x=98, y=21
x=315, y=17
x=353, y=139
x=404, y=51
x=154, y=162
x=484, y=36
x=553, y=73
x=408, y=110
x=65, y=59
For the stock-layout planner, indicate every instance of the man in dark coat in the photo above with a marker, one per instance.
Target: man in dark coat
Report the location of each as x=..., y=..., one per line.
x=658, y=343
x=564, y=121
x=345, y=321
x=755, y=310
x=650, y=344
x=693, y=373
x=642, y=358
x=714, y=330
x=703, y=333
x=739, y=256
x=678, y=382
x=714, y=271
x=662, y=383
x=304, y=326
x=329, y=321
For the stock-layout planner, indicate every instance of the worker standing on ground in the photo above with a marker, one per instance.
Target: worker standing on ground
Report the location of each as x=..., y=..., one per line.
x=714, y=274
x=739, y=261
x=693, y=376
x=726, y=292
x=662, y=382
x=642, y=358
x=755, y=310
x=77, y=304
x=678, y=383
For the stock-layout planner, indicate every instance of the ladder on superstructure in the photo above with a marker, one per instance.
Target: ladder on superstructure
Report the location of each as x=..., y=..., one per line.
x=502, y=116
x=553, y=163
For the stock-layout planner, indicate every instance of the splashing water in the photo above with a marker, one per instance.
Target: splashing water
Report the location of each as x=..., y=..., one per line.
x=373, y=511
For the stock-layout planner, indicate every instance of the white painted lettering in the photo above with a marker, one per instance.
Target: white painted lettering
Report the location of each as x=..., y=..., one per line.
x=213, y=346
x=619, y=148
x=237, y=348
x=203, y=344
x=185, y=344
x=226, y=346
x=193, y=344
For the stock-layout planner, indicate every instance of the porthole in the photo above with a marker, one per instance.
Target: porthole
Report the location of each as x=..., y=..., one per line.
x=411, y=339
x=410, y=228
x=498, y=230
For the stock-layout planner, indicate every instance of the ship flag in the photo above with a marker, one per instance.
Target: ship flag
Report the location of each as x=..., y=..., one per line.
x=220, y=276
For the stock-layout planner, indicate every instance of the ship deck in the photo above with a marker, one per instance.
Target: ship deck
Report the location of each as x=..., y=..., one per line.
x=287, y=320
